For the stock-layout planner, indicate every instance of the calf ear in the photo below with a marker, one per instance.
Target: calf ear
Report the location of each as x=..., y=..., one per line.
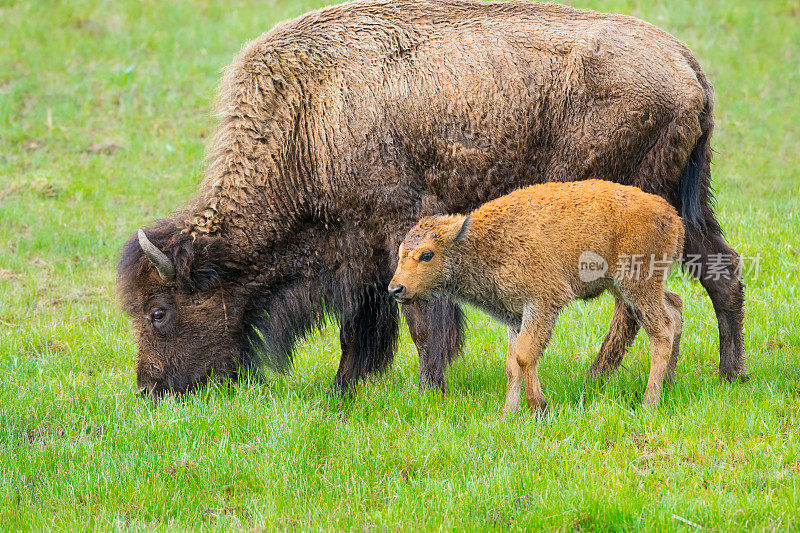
x=464, y=229
x=458, y=229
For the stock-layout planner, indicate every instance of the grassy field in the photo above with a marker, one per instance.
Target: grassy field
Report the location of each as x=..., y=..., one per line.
x=104, y=115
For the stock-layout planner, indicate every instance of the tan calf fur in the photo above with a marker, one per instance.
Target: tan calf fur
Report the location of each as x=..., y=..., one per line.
x=526, y=255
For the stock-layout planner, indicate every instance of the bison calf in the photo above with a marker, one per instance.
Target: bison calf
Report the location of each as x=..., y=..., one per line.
x=524, y=256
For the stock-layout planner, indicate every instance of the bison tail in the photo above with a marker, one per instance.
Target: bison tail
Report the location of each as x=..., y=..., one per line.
x=695, y=194
x=695, y=183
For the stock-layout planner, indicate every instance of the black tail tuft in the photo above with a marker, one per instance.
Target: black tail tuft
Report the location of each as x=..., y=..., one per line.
x=691, y=185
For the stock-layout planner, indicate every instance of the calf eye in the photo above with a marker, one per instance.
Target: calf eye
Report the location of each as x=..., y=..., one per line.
x=427, y=256
x=158, y=314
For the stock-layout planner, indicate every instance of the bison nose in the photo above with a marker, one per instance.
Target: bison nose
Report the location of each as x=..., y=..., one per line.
x=396, y=290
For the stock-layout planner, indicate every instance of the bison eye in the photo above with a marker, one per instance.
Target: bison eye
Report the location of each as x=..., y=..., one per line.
x=427, y=256
x=158, y=314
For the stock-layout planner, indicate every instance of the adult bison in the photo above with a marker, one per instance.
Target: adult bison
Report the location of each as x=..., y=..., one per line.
x=340, y=128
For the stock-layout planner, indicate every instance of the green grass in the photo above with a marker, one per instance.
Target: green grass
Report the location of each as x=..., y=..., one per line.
x=104, y=114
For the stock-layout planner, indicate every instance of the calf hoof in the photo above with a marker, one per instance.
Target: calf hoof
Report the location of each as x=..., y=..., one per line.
x=650, y=400
x=537, y=406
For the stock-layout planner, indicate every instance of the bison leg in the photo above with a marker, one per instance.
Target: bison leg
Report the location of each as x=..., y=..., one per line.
x=368, y=334
x=718, y=266
x=438, y=331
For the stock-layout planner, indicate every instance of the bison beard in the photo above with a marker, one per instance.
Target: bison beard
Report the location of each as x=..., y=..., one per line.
x=341, y=128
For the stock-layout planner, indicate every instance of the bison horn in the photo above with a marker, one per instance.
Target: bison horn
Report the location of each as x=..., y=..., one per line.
x=163, y=265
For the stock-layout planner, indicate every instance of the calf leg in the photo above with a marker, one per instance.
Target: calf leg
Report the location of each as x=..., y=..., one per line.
x=659, y=325
x=621, y=334
x=537, y=324
x=437, y=330
x=719, y=274
x=513, y=376
x=368, y=335
x=674, y=306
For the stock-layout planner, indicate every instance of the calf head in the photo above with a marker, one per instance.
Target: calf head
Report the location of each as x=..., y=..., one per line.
x=425, y=257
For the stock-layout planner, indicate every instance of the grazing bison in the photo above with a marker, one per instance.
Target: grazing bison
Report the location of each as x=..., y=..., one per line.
x=518, y=257
x=341, y=128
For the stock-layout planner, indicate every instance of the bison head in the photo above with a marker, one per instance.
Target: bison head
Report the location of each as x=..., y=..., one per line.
x=186, y=311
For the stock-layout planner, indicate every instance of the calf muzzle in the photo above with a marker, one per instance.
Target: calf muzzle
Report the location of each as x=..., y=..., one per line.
x=396, y=292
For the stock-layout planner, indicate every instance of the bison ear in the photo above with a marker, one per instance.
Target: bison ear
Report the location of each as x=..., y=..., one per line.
x=205, y=277
x=212, y=264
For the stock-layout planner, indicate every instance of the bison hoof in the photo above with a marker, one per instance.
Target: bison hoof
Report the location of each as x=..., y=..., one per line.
x=734, y=376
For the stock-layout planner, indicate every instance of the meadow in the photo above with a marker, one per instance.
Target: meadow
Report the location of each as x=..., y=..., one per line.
x=105, y=110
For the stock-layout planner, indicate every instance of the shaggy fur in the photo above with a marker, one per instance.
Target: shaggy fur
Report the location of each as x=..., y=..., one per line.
x=340, y=128
x=518, y=258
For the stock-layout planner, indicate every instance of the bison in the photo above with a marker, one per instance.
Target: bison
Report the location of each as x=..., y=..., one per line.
x=519, y=258
x=338, y=130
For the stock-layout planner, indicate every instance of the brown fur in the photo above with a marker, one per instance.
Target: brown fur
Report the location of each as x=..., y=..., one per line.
x=517, y=257
x=340, y=128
